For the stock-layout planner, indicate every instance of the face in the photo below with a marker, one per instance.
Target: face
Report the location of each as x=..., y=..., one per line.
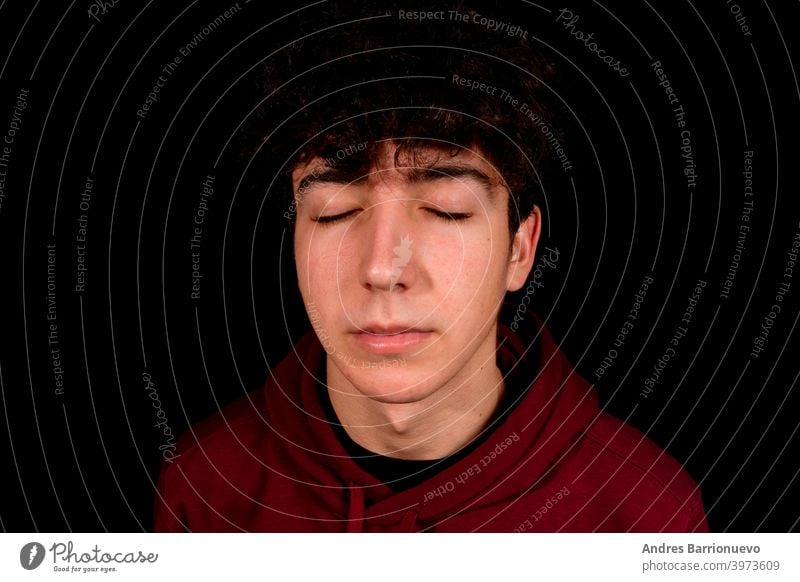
x=403, y=270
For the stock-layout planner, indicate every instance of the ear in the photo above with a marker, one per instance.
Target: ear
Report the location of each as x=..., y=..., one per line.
x=523, y=250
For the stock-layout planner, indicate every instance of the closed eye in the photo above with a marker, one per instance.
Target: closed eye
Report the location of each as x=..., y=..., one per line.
x=449, y=216
x=441, y=214
x=334, y=217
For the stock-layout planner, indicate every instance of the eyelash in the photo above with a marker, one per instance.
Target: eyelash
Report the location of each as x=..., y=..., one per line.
x=446, y=216
x=326, y=220
x=449, y=216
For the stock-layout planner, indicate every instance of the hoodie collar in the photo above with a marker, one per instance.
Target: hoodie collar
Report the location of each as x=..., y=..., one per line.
x=551, y=415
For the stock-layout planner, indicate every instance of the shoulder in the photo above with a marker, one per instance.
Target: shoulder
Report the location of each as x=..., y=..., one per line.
x=224, y=437
x=638, y=475
x=244, y=432
x=639, y=454
x=214, y=460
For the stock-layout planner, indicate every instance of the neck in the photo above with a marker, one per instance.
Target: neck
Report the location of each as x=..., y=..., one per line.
x=427, y=429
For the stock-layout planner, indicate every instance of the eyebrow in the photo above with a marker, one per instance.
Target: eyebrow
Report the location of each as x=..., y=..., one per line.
x=450, y=171
x=331, y=175
x=327, y=175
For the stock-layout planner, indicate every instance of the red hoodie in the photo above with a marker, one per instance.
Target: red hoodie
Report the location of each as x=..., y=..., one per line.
x=271, y=462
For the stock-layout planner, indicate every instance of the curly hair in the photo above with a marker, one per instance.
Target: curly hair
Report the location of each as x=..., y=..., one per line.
x=365, y=75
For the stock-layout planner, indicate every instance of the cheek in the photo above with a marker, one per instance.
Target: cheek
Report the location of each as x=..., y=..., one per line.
x=474, y=260
x=324, y=263
x=470, y=280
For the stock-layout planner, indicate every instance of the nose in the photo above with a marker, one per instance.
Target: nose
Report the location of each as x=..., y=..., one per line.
x=387, y=248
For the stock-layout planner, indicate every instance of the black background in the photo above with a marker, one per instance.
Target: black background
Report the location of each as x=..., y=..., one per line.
x=87, y=459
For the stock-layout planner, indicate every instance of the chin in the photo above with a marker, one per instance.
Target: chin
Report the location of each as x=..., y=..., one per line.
x=393, y=385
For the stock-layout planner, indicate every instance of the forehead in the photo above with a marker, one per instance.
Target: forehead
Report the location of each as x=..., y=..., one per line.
x=393, y=160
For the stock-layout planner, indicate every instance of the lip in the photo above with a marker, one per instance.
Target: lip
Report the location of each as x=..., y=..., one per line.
x=391, y=339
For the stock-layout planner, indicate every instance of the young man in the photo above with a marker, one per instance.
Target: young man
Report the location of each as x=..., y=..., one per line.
x=408, y=406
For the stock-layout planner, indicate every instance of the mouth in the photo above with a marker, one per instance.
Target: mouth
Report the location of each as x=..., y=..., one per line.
x=392, y=339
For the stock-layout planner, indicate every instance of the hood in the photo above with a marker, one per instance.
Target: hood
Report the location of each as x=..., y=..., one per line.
x=516, y=457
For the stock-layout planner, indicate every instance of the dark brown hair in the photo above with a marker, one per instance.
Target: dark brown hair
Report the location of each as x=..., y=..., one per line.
x=364, y=74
